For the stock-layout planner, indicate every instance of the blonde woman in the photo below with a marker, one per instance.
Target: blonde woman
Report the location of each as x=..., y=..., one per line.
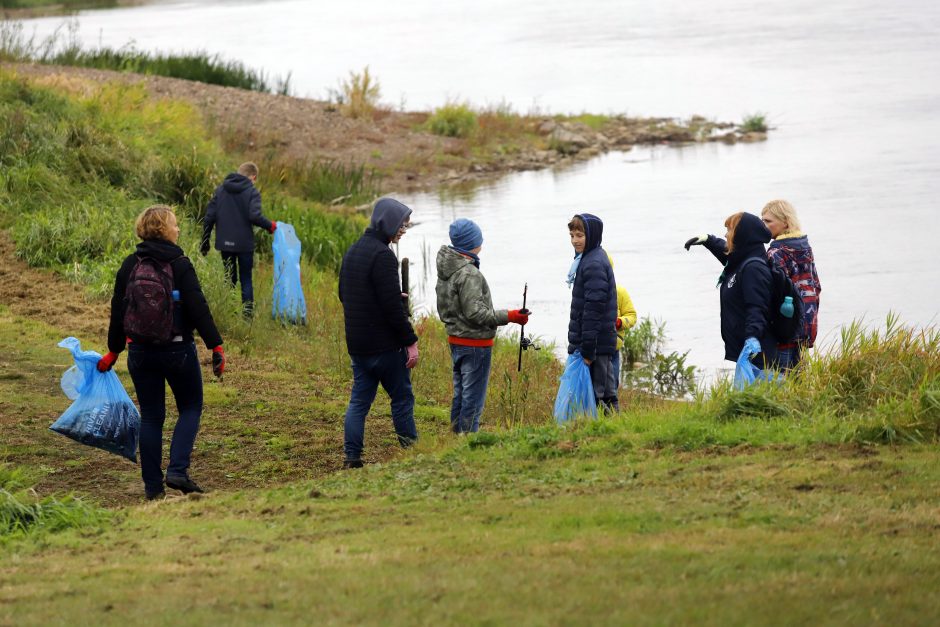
x=157, y=304
x=790, y=250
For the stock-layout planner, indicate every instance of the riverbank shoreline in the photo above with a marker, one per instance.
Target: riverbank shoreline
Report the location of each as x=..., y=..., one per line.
x=396, y=144
x=59, y=8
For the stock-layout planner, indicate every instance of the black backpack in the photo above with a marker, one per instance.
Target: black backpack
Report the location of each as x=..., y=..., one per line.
x=148, y=315
x=784, y=329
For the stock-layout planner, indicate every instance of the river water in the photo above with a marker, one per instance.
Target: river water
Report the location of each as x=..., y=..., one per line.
x=851, y=88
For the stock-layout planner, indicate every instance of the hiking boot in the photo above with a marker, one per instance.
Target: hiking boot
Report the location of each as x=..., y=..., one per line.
x=153, y=496
x=352, y=463
x=183, y=484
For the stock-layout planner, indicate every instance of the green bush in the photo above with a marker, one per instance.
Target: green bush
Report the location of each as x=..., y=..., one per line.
x=754, y=123
x=453, y=120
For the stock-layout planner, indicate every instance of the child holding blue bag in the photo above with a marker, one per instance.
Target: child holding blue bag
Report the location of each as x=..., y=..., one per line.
x=593, y=316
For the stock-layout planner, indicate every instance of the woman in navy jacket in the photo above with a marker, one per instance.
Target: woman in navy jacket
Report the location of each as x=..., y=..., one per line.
x=745, y=288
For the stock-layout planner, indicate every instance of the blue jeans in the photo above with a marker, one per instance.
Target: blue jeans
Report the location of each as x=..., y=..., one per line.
x=238, y=266
x=151, y=368
x=369, y=371
x=471, y=375
x=789, y=358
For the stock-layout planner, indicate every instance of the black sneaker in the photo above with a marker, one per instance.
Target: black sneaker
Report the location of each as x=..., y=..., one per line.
x=183, y=484
x=352, y=463
x=153, y=496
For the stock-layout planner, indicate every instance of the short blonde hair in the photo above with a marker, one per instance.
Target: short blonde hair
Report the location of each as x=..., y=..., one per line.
x=248, y=169
x=783, y=211
x=154, y=223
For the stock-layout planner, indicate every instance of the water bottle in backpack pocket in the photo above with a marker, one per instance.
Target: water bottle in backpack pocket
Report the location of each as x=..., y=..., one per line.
x=786, y=303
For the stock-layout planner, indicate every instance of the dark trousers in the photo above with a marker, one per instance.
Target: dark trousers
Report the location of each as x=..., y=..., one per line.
x=369, y=371
x=238, y=266
x=605, y=382
x=471, y=376
x=151, y=368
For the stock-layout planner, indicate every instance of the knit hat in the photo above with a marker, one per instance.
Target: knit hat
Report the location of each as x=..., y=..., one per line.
x=465, y=234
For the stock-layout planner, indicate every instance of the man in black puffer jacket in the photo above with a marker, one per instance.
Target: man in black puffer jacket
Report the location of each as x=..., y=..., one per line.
x=234, y=209
x=379, y=337
x=591, y=328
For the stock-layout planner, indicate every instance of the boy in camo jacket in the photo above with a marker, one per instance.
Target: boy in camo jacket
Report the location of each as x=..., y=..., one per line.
x=466, y=309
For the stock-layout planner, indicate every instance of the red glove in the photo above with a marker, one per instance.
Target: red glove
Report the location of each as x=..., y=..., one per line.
x=107, y=362
x=218, y=361
x=519, y=316
x=273, y=226
x=618, y=324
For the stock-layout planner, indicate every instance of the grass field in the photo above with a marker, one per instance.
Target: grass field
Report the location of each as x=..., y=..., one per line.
x=811, y=502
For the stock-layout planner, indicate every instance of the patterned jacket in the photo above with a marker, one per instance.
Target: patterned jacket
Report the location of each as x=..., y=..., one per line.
x=463, y=299
x=793, y=254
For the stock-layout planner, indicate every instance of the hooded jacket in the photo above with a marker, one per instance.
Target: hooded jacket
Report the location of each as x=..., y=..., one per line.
x=795, y=257
x=234, y=208
x=464, y=303
x=745, y=294
x=369, y=287
x=194, y=310
x=591, y=326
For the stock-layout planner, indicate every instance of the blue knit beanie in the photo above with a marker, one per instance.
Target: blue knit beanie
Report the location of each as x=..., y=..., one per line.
x=465, y=234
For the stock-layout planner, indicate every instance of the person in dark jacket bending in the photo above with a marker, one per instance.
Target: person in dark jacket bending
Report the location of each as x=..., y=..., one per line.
x=152, y=366
x=592, y=323
x=381, y=342
x=745, y=288
x=234, y=209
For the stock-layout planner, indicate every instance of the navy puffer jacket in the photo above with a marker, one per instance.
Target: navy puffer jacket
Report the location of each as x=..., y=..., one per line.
x=593, y=297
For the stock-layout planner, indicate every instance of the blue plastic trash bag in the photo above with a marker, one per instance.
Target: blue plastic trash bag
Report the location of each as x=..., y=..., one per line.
x=288, y=303
x=746, y=373
x=575, y=392
x=102, y=414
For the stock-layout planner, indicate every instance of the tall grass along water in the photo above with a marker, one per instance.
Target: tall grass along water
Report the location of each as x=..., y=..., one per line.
x=847, y=88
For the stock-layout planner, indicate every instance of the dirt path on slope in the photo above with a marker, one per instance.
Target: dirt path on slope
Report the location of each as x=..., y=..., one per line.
x=41, y=295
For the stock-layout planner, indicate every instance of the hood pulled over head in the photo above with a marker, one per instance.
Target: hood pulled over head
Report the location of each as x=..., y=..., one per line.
x=593, y=231
x=387, y=217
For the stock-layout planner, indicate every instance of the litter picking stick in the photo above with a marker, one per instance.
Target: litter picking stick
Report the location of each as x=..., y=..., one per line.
x=405, y=289
x=525, y=292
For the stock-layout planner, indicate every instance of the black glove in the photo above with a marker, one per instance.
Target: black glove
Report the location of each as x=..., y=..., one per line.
x=698, y=240
x=204, y=249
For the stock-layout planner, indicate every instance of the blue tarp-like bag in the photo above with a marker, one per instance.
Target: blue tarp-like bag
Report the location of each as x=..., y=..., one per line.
x=746, y=373
x=288, y=303
x=576, y=392
x=102, y=414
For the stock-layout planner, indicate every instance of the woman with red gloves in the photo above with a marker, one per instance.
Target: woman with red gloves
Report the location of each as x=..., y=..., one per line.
x=158, y=327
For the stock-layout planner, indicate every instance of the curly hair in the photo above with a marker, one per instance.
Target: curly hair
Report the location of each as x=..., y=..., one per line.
x=154, y=223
